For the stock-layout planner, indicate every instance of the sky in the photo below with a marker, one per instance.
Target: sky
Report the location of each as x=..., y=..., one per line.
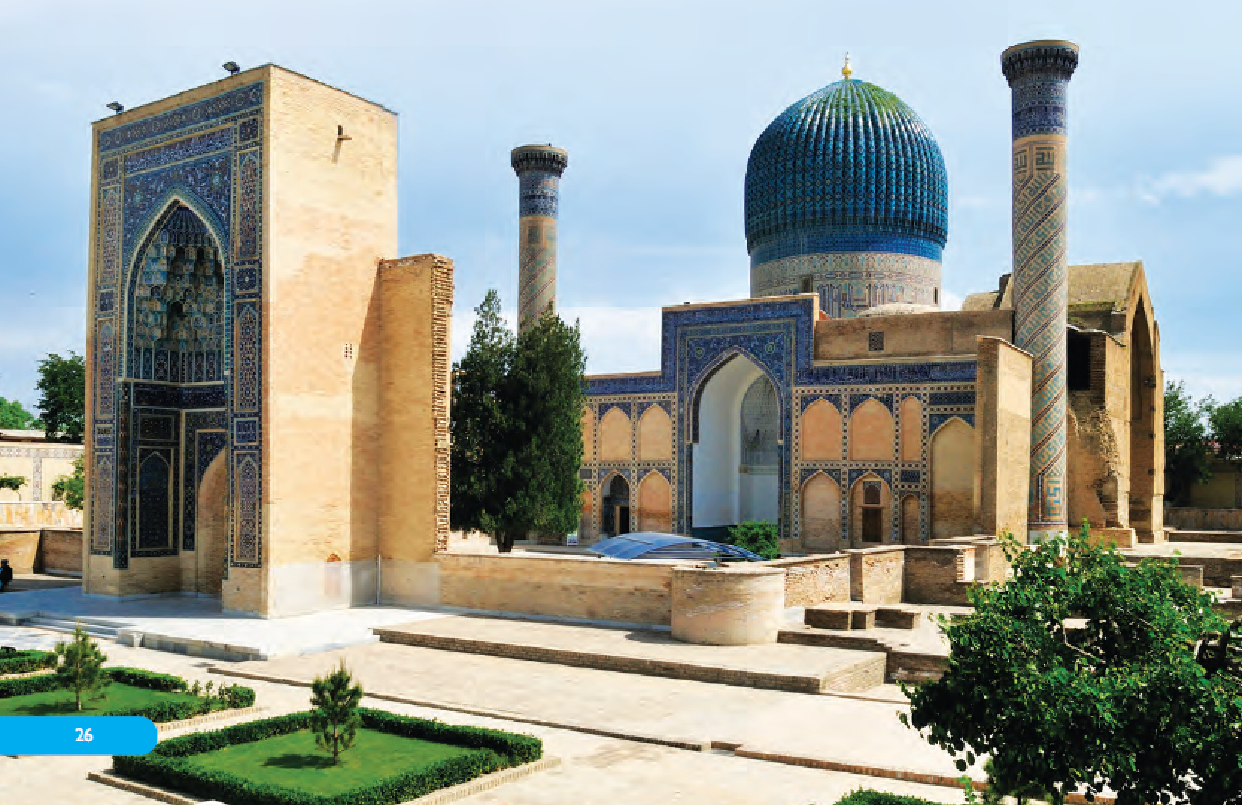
x=658, y=105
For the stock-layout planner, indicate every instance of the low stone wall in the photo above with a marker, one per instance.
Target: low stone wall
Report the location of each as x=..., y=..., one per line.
x=990, y=561
x=814, y=580
x=939, y=574
x=1188, y=519
x=877, y=575
x=558, y=586
x=21, y=548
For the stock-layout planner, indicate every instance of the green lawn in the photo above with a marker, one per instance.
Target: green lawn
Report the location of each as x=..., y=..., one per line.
x=60, y=702
x=293, y=761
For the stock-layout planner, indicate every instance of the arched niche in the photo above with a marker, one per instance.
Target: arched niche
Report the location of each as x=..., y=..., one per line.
x=655, y=504
x=821, y=432
x=821, y=514
x=614, y=436
x=954, y=480
x=911, y=429
x=738, y=417
x=911, y=533
x=1144, y=385
x=871, y=511
x=615, y=506
x=871, y=432
x=655, y=435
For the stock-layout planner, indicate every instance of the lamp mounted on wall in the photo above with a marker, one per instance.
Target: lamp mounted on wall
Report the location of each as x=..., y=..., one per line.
x=116, y=107
x=232, y=67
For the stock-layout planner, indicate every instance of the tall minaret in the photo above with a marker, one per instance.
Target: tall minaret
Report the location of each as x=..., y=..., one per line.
x=1038, y=74
x=539, y=169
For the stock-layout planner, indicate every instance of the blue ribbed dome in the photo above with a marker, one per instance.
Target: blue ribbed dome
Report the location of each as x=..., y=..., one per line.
x=850, y=168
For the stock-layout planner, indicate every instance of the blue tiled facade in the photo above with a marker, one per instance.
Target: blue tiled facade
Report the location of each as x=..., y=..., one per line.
x=175, y=357
x=778, y=337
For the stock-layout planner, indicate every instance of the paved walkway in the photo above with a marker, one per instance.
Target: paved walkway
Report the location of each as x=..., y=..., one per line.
x=595, y=769
x=837, y=729
x=200, y=619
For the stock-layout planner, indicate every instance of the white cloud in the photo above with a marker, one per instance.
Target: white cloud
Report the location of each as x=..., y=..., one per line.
x=1222, y=178
x=951, y=301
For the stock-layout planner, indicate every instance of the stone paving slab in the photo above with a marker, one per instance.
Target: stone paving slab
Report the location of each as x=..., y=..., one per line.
x=647, y=651
x=594, y=768
x=195, y=625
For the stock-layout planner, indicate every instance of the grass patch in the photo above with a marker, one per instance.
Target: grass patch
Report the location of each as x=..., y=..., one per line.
x=293, y=761
x=117, y=696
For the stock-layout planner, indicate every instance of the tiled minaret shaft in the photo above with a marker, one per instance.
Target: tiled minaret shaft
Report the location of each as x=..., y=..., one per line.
x=1038, y=74
x=539, y=169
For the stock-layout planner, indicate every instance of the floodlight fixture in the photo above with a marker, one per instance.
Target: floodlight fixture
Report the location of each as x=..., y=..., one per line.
x=232, y=67
x=116, y=107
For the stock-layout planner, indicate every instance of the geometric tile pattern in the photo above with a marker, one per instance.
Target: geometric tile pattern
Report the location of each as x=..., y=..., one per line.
x=178, y=233
x=1039, y=77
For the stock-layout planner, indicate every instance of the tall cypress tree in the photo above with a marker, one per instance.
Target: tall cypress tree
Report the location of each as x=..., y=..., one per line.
x=477, y=420
x=543, y=395
x=517, y=439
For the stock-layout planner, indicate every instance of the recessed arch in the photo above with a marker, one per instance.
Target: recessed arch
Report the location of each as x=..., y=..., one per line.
x=211, y=526
x=615, y=437
x=587, y=422
x=655, y=503
x=821, y=514
x=911, y=418
x=911, y=532
x=954, y=480
x=820, y=432
x=871, y=510
x=871, y=432
x=615, y=503
x=655, y=435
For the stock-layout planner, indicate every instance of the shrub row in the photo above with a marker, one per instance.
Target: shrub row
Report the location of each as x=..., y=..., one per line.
x=168, y=764
x=159, y=712
x=23, y=662
x=868, y=797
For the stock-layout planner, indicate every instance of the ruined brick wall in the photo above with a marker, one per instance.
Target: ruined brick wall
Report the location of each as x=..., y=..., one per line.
x=938, y=574
x=877, y=575
x=815, y=580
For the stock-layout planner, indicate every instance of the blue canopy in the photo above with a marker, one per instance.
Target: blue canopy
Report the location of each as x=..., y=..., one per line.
x=654, y=545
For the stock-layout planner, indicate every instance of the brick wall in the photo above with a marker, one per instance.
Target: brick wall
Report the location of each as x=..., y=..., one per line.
x=1188, y=519
x=61, y=550
x=936, y=574
x=877, y=575
x=815, y=580
x=560, y=586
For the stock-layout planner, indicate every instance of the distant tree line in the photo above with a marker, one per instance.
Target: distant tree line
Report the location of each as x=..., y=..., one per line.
x=1195, y=433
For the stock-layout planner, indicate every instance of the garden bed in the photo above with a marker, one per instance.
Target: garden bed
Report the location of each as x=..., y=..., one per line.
x=132, y=692
x=13, y=663
x=275, y=761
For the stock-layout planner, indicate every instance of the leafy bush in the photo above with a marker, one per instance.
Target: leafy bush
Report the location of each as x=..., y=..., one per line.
x=865, y=796
x=167, y=766
x=27, y=685
x=757, y=537
x=139, y=678
x=23, y=662
x=228, y=697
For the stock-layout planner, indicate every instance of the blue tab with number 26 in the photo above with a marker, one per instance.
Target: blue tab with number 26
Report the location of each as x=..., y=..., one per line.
x=71, y=735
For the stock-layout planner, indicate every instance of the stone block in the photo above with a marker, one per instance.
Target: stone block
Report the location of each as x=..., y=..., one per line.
x=896, y=618
x=727, y=606
x=827, y=618
x=861, y=619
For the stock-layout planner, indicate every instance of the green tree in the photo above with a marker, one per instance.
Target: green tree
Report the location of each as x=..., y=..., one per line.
x=1081, y=671
x=516, y=427
x=477, y=418
x=1187, y=456
x=759, y=537
x=15, y=417
x=80, y=665
x=335, y=718
x=72, y=488
x=62, y=408
x=1226, y=421
x=540, y=491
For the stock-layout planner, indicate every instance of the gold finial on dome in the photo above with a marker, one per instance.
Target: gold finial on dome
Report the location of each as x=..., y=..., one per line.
x=846, y=71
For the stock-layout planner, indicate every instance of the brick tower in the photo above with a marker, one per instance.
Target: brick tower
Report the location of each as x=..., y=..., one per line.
x=539, y=169
x=1038, y=74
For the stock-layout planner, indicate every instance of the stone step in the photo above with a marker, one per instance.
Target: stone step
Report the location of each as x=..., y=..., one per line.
x=1205, y=536
x=93, y=628
x=843, y=672
x=902, y=664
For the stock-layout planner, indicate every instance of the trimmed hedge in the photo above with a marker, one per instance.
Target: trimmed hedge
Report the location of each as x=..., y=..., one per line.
x=159, y=712
x=23, y=662
x=865, y=796
x=167, y=766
